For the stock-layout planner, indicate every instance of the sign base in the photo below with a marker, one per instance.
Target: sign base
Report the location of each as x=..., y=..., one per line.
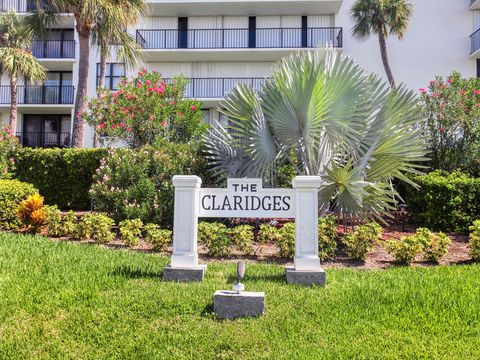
x=184, y=274
x=306, y=277
x=232, y=304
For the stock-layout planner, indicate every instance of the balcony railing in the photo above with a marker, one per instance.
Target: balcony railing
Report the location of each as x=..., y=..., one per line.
x=475, y=41
x=19, y=6
x=38, y=94
x=53, y=49
x=240, y=38
x=217, y=88
x=44, y=139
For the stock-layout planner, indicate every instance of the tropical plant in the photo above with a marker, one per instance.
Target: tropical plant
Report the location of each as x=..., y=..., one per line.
x=382, y=18
x=286, y=240
x=53, y=220
x=435, y=246
x=242, y=236
x=159, y=238
x=327, y=117
x=215, y=237
x=404, y=250
x=131, y=231
x=97, y=227
x=327, y=237
x=31, y=212
x=360, y=243
x=16, y=58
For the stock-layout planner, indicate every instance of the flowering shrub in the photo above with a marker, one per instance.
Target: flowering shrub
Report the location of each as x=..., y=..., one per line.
x=8, y=147
x=452, y=123
x=145, y=108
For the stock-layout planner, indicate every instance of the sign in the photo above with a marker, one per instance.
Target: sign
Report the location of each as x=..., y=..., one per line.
x=246, y=198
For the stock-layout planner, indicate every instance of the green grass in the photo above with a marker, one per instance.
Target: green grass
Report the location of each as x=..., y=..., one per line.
x=66, y=300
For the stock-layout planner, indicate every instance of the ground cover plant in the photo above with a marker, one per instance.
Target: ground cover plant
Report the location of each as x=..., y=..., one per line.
x=67, y=300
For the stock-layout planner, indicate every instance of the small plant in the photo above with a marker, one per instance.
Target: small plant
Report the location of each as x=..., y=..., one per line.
x=474, y=242
x=131, y=231
x=435, y=246
x=31, y=212
x=404, y=250
x=53, y=220
x=215, y=237
x=242, y=236
x=68, y=226
x=268, y=234
x=97, y=227
x=327, y=237
x=361, y=241
x=286, y=240
x=159, y=238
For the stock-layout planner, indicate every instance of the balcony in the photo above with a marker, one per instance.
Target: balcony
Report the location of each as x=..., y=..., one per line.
x=474, y=4
x=53, y=49
x=475, y=43
x=39, y=94
x=44, y=139
x=19, y=6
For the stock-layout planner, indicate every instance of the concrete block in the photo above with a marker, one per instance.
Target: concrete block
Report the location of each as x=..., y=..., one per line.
x=306, y=277
x=184, y=274
x=232, y=305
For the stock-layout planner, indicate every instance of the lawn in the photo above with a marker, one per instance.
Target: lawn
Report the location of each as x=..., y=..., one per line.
x=68, y=300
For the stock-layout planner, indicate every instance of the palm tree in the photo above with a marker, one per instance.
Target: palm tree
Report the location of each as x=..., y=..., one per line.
x=381, y=17
x=16, y=57
x=327, y=117
x=88, y=15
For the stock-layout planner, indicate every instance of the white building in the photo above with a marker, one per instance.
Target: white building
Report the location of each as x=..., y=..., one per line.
x=218, y=43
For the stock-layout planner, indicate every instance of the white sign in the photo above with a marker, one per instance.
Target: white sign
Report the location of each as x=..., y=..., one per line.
x=246, y=198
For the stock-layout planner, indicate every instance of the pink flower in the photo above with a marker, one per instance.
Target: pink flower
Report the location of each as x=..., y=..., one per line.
x=114, y=126
x=164, y=123
x=193, y=108
x=171, y=103
x=129, y=129
x=462, y=92
x=148, y=82
x=102, y=125
x=139, y=85
x=423, y=91
x=151, y=117
x=150, y=89
x=122, y=125
x=449, y=80
x=432, y=83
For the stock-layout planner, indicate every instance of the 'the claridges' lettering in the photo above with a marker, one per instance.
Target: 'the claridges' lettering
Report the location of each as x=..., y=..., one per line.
x=246, y=202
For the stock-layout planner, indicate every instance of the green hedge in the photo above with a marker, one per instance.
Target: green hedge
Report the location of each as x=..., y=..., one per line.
x=12, y=192
x=445, y=201
x=63, y=176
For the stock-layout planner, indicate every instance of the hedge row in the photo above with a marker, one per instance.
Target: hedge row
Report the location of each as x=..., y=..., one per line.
x=445, y=201
x=63, y=176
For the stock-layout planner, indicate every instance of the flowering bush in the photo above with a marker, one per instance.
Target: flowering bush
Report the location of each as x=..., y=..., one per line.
x=8, y=147
x=145, y=108
x=452, y=123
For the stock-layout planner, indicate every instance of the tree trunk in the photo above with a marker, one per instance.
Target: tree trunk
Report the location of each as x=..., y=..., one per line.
x=101, y=85
x=78, y=132
x=383, y=52
x=13, y=104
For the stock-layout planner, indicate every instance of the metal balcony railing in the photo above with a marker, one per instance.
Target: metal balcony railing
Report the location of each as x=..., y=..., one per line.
x=38, y=94
x=240, y=38
x=44, y=139
x=53, y=49
x=475, y=41
x=19, y=6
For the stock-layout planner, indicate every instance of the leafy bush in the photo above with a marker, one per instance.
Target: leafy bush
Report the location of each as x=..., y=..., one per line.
x=12, y=193
x=8, y=147
x=53, y=220
x=159, y=238
x=63, y=176
x=435, y=246
x=446, y=202
x=145, y=109
x=69, y=225
x=131, y=231
x=268, y=234
x=215, y=237
x=137, y=184
x=242, y=236
x=31, y=212
x=361, y=241
x=474, y=242
x=97, y=227
x=327, y=237
x=405, y=250
x=286, y=240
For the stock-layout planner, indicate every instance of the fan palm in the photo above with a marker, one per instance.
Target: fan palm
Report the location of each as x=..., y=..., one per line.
x=16, y=58
x=383, y=18
x=327, y=117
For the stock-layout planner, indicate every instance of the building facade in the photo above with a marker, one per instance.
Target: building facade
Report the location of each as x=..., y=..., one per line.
x=220, y=43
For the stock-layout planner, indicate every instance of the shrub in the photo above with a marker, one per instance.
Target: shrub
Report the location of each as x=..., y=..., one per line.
x=242, y=236
x=474, y=242
x=405, y=250
x=53, y=220
x=31, y=212
x=159, y=238
x=12, y=192
x=63, y=176
x=435, y=246
x=8, y=147
x=131, y=231
x=327, y=237
x=137, y=184
x=97, y=227
x=286, y=240
x=268, y=234
x=69, y=225
x=444, y=202
x=215, y=237
x=361, y=241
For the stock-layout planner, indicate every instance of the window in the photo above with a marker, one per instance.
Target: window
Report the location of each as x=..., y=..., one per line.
x=114, y=72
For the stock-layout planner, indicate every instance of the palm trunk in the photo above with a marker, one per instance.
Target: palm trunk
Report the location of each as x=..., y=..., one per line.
x=101, y=85
x=383, y=52
x=78, y=132
x=13, y=104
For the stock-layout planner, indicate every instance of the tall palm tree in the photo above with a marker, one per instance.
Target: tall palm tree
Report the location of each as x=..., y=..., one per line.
x=16, y=57
x=383, y=18
x=327, y=117
x=88, y=15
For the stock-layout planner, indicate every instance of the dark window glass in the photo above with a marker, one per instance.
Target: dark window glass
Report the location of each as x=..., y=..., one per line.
x=114, y=72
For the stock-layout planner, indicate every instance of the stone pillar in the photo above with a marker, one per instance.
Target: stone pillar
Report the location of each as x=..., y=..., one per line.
x=307, y=268
x=184, y=265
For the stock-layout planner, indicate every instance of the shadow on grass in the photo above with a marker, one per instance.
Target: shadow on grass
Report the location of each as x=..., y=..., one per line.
x=136, y=273
x=252, y=278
